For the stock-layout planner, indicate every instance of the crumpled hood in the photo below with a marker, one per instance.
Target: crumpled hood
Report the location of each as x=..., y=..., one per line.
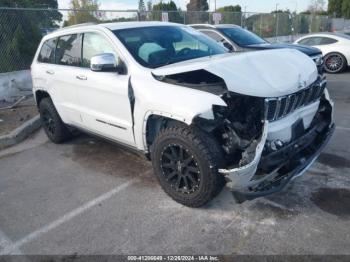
x=270, y=73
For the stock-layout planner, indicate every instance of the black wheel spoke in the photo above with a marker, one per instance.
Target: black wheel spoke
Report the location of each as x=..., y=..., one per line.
x=168, y=156
x=193, y=169
x=172, y=175
x=191, y=178
x=178, y=182
x=177, y=165
x=188, y=160
x=48, y=122
x=187, y=185
x=169, y=165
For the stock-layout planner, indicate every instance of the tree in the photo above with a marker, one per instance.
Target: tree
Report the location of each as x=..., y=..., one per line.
x=335, y=7
x=265, y=24
x=174, y=14
x=142, y=7
x=230, y=8
x=77, y=16
x=346, y=9
x=317, y=6
x=304, y=25
x=21, y=31
x=231, y=14
x=149, y=5
x=193, y=16
x=198, y=5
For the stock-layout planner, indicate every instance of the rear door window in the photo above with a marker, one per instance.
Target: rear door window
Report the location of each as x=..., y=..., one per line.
x=68, y=51
x=311, y=41
x=218, y=38
x=47, y=52
x=328, y=41
x=214, y=35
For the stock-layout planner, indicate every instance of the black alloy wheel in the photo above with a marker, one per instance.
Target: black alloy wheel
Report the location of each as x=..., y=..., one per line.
x=186, y=162
x=48, y=122
x=180, y=169
x=53, y=125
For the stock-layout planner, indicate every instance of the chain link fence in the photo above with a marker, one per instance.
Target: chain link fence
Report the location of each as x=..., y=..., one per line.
x=22, y=29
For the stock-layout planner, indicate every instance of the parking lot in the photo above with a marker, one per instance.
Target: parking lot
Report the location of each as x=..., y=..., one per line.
x=90, y=197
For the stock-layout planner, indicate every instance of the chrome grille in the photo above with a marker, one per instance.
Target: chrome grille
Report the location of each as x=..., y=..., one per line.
x=279, y=107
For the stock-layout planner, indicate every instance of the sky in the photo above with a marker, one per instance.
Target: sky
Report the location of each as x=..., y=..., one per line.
x=261, y=6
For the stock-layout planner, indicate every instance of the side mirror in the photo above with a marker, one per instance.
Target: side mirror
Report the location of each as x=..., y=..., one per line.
x=106, y=63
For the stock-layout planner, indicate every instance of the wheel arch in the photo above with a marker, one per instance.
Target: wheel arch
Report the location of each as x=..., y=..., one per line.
x=39, y=95
x=155, y=121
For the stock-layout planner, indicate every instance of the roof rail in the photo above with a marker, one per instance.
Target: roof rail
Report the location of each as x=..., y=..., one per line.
x=78, y=25
x=206, y=25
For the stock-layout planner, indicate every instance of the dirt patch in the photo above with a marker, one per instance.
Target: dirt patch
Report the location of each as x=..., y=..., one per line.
x=13, y=118
x=335, y=201
x=334, y=160
x=111, y=159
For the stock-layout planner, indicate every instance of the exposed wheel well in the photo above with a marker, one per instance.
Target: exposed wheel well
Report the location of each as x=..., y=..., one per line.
x=39, y=95
x=155, y=123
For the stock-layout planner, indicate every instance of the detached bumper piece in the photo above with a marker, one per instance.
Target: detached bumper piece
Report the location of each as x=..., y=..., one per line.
x=276, y=168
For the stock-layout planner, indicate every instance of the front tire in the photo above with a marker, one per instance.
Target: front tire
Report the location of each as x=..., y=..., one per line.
x=54, y=128
x=335, y=63
x=186, y=162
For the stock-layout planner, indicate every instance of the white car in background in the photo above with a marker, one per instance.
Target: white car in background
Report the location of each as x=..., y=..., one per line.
x=335, y=48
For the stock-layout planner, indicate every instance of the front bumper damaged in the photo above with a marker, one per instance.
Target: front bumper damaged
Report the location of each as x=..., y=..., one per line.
x=270, y=172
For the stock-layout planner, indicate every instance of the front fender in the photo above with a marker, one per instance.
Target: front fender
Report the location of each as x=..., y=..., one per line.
x=175, y=102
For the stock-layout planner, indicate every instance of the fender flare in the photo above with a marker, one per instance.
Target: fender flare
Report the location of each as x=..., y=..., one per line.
x=162, y=114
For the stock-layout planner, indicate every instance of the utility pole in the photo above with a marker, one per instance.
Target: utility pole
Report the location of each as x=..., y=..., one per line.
x=295, y=28
x=215, y=5
x=277, y=20
x=243, y=16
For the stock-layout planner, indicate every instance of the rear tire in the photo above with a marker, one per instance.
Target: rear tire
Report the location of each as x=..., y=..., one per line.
x=54, y=128
x=335, y=63
x=186, y=162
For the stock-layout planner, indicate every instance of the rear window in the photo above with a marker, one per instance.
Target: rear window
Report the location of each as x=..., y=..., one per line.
x=47, y=52
x=68, y=51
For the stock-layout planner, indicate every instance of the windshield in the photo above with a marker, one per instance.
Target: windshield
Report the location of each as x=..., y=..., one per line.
x=241, y=36
x=162, y=45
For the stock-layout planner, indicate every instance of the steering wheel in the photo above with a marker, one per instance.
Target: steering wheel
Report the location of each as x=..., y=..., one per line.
x=184, y=51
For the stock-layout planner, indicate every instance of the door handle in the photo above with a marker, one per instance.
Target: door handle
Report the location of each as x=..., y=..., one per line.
x=50, y=72
x=82, y=77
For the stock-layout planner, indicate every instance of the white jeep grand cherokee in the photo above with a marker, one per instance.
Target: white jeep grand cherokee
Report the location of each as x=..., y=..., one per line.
x=204, y=117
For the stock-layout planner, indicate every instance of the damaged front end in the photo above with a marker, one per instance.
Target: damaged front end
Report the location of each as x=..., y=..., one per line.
x=266, y=141
x=269, y=141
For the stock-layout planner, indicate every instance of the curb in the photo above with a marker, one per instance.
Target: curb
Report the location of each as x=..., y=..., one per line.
x=20, y=133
